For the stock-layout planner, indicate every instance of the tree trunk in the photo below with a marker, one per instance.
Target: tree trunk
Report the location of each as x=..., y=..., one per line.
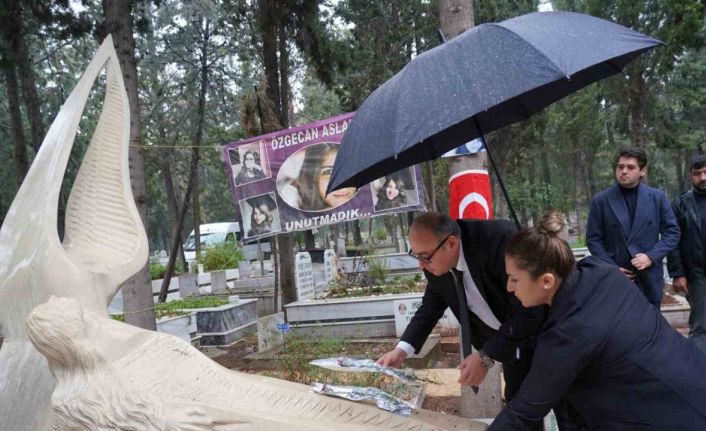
x=176, y=239
x=275, y=290
x=21, y=160
x=283, y=77
x=198, y=135
x=309, y=240
x=137, y=291
x=29, y=95
x=285, y=246
x=455, y=17
x=269, y=25
x=268, y=32
x=357, y=238
x=172, y=209
x=370, y=231
x=430, y=195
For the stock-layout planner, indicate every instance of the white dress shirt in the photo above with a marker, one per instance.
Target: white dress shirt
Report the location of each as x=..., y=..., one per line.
x=475, y=301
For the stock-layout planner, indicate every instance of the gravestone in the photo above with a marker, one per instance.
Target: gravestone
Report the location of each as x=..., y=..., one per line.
x=188, y=284
x=218, y=281
x=330, y=267
x=269, y=331
x=304, y=276
x=244, y=269
x=405, y=309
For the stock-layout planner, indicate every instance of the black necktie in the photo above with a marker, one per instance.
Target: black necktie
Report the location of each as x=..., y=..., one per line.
x=463, y=312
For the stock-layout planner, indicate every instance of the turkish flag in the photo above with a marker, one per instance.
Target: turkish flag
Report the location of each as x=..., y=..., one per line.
x=469, y=195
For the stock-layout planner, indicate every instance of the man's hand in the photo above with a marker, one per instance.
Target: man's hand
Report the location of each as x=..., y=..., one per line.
x=393, y=358
x=679, y=285
x=629, y=274
x=641, y=261
x=472, y=371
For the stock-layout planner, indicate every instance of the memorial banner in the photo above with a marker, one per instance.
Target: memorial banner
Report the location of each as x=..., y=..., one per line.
x=279, y=182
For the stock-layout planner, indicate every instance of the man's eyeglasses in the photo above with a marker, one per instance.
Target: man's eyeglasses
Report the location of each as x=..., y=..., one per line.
x=427, y=259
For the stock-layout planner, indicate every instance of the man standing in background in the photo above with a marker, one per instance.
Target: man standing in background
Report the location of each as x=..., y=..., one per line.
x=632, y=224
x=687, y=262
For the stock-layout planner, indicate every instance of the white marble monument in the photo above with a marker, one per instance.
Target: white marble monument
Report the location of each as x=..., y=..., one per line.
x=66, y=366
x=304, y=276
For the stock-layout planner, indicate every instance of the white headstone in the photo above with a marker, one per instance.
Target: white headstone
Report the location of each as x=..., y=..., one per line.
x=304, y=276
x=330, y=266
x=405, y=309
x=244, y=268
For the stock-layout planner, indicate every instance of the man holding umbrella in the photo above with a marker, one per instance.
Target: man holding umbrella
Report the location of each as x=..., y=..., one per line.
x=463, y=262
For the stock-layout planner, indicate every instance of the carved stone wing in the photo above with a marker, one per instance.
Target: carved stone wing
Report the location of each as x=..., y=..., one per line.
x=105, y=239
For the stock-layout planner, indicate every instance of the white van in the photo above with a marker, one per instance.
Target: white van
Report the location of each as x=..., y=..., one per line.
x=211, y=234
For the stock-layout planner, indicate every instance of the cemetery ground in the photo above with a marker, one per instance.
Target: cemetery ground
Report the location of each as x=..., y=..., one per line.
x=442, y=392
x=382, y=278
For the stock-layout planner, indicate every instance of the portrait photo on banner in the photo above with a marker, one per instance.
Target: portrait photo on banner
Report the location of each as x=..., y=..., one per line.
x=249, y=163
x=304, y=176
x=396, y=190
x=260, y=215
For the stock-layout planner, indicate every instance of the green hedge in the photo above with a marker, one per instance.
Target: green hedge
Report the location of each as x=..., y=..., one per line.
x=220, y=257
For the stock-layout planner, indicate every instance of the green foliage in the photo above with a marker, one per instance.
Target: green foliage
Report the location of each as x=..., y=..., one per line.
x=380, y=234
x=174, y=308
x=354, y=287
x=220, y=257
x=296, y=353
x=157, y=271
x=559, y=158
x=377, y=270
x=580, y=242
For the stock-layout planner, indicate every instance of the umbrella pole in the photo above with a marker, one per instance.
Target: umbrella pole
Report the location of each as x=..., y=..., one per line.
x=497, y=172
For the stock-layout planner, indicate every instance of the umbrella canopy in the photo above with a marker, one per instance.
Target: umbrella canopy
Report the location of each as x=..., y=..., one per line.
x=486, y=78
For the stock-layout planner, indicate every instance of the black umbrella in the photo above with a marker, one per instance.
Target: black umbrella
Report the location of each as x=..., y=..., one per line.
x=486, y=78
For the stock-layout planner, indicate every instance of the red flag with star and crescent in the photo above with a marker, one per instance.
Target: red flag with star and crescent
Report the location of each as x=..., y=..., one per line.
x=470, y=196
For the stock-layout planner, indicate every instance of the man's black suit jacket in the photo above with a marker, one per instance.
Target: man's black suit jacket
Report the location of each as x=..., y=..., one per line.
x=483, y=243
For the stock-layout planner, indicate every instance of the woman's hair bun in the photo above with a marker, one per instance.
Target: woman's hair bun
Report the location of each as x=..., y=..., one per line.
x=552, y=223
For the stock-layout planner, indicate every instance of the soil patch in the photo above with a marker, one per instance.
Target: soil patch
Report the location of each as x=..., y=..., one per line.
x=233, y=356
x=448, y=405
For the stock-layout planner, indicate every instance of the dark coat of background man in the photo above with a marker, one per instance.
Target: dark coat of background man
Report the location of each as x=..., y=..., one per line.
x=464, y=264
x=687, y=262
x=633, y=225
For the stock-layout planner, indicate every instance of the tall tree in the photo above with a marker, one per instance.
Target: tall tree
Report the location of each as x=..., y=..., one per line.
x=677, y=23
x=137, y=291
x=455, y=17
